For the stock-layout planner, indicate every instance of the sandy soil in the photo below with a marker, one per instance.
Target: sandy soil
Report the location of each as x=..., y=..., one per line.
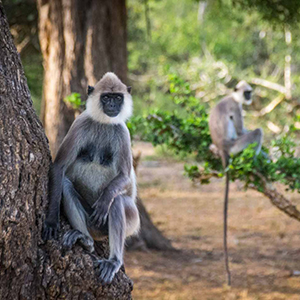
x=264, y=244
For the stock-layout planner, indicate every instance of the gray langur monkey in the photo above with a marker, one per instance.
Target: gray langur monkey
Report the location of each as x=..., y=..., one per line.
x=230, y=137
x=94, y=177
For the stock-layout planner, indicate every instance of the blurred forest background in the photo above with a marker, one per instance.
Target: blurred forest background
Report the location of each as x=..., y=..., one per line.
x=182, y=57
x=212, y=44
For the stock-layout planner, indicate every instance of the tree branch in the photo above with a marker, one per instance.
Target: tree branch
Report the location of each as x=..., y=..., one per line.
x=276, y=198
x=270, y=85
x=271, y=105
x=23, y=44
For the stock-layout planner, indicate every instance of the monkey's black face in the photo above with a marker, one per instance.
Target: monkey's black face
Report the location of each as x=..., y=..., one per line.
x=247, y=95
x=112, y=103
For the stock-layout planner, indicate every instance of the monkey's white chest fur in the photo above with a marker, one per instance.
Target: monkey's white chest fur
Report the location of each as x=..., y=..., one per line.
x=231, y=131
x=91, y=177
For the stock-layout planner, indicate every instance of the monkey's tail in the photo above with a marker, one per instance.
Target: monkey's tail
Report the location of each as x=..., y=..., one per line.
x=225, y=230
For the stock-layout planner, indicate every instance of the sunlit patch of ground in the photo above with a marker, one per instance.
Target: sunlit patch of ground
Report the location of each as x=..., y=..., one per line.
x=264, y=244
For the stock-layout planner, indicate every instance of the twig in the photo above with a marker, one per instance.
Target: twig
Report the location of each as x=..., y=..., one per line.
x=23, y=44
x=271, y=105
x=270, y=85
x=287, y=66
x=273, y=127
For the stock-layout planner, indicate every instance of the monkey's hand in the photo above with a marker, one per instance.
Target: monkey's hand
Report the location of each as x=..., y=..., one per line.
x=50, y=230
x=100, y=214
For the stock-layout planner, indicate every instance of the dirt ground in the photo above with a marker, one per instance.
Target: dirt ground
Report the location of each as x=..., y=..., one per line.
x=264, y=244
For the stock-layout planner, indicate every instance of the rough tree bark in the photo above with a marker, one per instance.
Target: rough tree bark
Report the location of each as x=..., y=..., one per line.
x=30, y=269
x=80, y=41
x=277, y=199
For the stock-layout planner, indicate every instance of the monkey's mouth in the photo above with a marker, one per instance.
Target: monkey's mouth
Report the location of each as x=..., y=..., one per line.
x=111, y=114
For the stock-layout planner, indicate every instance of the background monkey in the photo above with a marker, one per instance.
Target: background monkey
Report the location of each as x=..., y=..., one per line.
x=94, y=176
x=230, y=137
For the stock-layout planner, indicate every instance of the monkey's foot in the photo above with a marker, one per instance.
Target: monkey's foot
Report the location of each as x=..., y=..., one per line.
x=107, y=269
x=72, y=236
x=50, y=231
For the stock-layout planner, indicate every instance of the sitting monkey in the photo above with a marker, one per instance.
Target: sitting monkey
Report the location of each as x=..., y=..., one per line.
x=229, y=135
x=94, y=177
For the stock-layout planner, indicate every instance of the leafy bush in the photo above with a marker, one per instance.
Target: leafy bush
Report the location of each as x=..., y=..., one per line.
x=75, y=101
x=189, y=133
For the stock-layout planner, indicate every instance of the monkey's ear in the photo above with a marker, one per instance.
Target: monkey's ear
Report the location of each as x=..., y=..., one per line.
x=90, y=89
x=129, y=89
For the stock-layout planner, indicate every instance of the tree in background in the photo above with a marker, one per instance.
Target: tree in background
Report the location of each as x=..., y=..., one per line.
x=80, y=41
x=29, y=268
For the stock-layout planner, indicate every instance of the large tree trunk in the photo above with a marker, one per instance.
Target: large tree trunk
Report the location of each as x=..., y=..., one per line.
x=30, y=269
x=80, y=41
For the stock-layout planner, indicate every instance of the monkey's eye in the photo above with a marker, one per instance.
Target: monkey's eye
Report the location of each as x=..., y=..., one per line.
x=119, y=98
x=105, y=98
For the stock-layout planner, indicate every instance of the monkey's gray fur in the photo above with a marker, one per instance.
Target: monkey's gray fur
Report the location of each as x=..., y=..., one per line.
x=226, y=124
x=229, y=135
x=93, y=175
